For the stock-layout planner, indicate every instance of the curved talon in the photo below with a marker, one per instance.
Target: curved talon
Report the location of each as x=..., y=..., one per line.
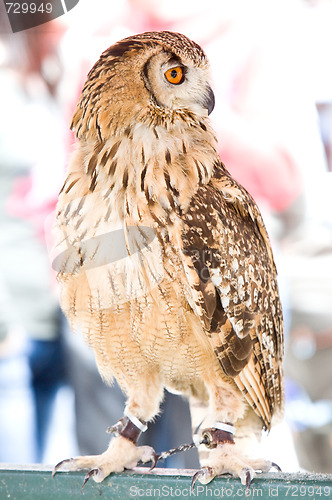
x=89, y=475
x=60, y=464
x=194, y=480
x=248, y=479
x=203, y=472
x=276, y=466
x=154, y=461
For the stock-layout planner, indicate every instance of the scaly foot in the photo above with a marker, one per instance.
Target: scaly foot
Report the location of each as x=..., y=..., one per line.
x=121, y=454
x=226, y=459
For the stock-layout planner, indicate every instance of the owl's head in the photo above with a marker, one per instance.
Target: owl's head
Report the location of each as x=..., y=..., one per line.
x=155, y=77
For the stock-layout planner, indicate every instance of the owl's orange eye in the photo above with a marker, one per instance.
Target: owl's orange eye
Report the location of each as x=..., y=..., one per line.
x=175, y=75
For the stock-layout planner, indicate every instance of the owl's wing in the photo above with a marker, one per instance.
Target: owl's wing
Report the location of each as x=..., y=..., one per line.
x=230, y=268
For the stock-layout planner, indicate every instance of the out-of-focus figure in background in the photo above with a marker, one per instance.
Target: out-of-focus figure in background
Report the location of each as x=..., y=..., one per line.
x=307, y=255
x=31, y=160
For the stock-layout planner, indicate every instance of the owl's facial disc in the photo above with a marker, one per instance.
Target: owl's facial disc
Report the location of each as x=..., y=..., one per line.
x=176, y=84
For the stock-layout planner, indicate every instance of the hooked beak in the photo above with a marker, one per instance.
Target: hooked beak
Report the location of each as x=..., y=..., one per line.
x=209, y=100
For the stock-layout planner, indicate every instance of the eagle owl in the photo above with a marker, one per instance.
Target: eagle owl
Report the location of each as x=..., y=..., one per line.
x=164, y=262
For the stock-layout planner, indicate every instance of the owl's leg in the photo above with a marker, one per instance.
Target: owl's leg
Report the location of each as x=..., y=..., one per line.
x=227, y=432
x=123, y=452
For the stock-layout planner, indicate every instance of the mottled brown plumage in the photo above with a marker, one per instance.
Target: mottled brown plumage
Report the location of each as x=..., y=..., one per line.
x=163, y=260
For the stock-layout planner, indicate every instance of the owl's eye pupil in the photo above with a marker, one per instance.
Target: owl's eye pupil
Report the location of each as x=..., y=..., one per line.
x=175, y=75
